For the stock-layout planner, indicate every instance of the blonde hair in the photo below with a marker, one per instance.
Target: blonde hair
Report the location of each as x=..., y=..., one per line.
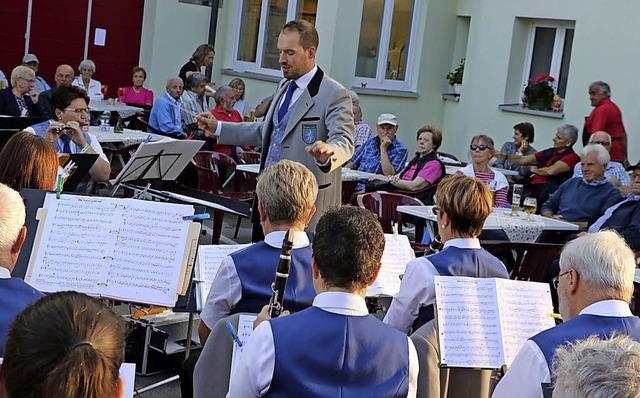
x=12, y=216
x=467, y=201
x=22, y=72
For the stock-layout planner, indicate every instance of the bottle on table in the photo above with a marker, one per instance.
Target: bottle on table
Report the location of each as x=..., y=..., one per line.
x=119, y=126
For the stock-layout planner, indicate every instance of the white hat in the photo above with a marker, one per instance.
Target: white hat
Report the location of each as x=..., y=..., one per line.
x=387, y=118
x=30, y=58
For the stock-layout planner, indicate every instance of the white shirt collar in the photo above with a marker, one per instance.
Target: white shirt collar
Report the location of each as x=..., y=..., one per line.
x=275, y=238
x=463, y=243
x=341, y=303
x=4, y=273
x=303, y=81
x=608, y=308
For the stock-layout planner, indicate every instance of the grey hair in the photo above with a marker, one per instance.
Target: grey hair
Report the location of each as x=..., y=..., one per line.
x=194, y=80
x=221, y=93
x=12, y=216
x=570, y=132
x=355, y=98
x=173, y=78
x=596, y=368
x=601, y=132
x=603, y=261
x=604, y=87
x=87, y=63
x=603, y=154
x=287, y=191
x=23, y=72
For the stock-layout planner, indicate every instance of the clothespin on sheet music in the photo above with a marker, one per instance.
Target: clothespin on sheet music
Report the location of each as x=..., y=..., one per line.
x=59, y=187
x=394, y=227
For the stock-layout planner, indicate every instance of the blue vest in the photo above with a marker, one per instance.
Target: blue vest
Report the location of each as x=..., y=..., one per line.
x=15, y=295
x=454, y=261
x=256, y=266
x=277, y=135
x=58, y=145
x=582, y=327
x=322, y=354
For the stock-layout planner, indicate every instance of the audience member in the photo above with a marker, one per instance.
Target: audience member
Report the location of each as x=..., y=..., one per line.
x=523, y=135
x=553, y=166
x=21, y=99
x=15, y=294
x=28, y=161
x=137, y=94
x=93, y=87
x=263, y=106
x=334, y=348
x=624, y=217
x=225, y=99
x=595, y=368
x=166, y=117
x=64, y=131
x=31, y=61
x=383, y=154
x=482, y=151
x=65, y=345
x=239, y=88
x=606, y=116
x=355, y=98
x=615, y=172
x=363, y=131
x=63, y=77
x=193, y=100
x=463, y=205
x=202, y=56
x=4, y=83
x=594, y=286
x=578, y=200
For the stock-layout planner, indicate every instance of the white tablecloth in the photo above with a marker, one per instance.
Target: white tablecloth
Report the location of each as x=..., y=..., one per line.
x=122, y=109
x=129, y=137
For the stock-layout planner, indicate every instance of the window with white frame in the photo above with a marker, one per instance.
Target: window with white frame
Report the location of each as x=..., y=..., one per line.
x=257, y=35
x=549, y=52
x=386, y=45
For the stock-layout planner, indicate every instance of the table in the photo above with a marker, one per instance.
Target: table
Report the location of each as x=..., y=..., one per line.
x=123, y=110
x=453, y=169
x=129, y=137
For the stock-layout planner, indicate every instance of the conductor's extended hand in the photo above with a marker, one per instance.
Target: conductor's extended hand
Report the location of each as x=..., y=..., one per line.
x=208, y=123
x=321, y=151
x=264, y=316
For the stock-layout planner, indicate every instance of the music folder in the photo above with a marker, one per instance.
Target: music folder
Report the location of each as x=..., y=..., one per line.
x=83, y=163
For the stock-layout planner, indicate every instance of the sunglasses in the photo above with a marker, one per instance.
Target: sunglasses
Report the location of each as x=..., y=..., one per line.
x=480, y=147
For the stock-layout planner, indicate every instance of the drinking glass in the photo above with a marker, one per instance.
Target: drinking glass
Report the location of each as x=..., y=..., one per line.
x=530, y=206
x=515, y=199
x=103, y=89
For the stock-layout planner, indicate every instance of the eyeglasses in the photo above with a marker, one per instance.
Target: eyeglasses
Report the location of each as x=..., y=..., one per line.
x=27, y=80
x=603, y=143
x=480, y=147
x=557, y=279
x=79, y=111
x=435, y=210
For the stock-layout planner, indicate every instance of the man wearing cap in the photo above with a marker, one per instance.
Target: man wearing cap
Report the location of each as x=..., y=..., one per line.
x=383, y=154
x=31, y=61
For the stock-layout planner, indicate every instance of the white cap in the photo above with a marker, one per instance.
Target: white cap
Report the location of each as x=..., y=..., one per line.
x=30, y=58
x=387, y=118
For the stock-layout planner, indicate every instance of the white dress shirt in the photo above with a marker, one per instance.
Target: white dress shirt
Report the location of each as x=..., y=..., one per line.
x=4, y=273
x=252, y=377
x=94, y=91
x=529, y=368
x=226, y=289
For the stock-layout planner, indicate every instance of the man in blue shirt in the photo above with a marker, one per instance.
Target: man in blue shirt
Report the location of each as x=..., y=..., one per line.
x=166, y=117
x=383, y=154
x=615, y=172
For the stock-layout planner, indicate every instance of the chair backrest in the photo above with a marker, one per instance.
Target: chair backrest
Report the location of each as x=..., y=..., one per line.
x=208, y=164
x=145, y=124
x=249, y=157
x=448, y=155
x=384, y=206
x=532, y=260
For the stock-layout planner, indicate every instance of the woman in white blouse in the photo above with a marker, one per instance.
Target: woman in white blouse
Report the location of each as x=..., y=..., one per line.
x=93, y=87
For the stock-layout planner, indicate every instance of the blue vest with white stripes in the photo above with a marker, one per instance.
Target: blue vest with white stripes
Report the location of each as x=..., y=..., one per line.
x=15, y=295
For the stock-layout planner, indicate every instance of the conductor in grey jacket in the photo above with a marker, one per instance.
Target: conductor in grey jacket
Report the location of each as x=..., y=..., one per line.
x=309, y=121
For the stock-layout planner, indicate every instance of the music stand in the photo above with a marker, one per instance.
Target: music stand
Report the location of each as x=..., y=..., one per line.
x=84, y=162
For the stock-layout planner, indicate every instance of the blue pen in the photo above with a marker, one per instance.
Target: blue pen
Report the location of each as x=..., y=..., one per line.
x=234, y=334
x=148, y=139
x=202, y=216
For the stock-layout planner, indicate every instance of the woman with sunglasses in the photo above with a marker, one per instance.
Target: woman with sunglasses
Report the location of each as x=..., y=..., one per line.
x=462, y=206
x=482, y=151
x=21, y=99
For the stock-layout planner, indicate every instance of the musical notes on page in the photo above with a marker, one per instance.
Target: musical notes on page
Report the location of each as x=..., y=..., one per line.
x=397, y=253
x=209, y=259
x=245, y=329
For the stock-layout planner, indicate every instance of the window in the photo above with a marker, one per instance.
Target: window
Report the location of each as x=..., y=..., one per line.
x=549, y=52
x=256, y=47
x=386, y=45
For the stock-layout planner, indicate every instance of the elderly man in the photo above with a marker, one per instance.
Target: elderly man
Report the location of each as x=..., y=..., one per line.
x=15, y=294
x=193, y=100
x=578, y=200
x=225, y=99
x=31, y=61
x=595, y=285
x=165, y=115
x=363, y=131
x=615, y=172
x=383, y=154
x=63, y=77
x=334, y=348
x=606, y=116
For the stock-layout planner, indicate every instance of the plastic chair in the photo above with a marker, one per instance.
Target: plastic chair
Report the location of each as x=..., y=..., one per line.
x=247, y=157
x=384, y=206
x=348, y=188
x=141, y=121
x=532, y=260
x=120, y=154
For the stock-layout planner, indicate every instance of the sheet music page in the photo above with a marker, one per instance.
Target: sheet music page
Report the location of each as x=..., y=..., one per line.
x=523, y=297
x=245, y=329
x=468, y=322
x=124, y=249
x=128, y=373
x=397, y=253
x=209, y=259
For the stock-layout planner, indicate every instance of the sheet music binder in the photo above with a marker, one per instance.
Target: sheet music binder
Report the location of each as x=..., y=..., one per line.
x=84, y=162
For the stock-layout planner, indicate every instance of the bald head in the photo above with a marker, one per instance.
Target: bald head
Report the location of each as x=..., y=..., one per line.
x=64, y=75
x=601, y=137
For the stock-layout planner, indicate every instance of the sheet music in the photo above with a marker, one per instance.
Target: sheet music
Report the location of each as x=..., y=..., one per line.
x=245, y=329
x=118, y=248
x=397, y=253
x=209, y=259
x=523, y=297
x=128, y=373
x=468, y=322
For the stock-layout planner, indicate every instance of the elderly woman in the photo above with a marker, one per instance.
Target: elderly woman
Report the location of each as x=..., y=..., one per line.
x=238, y=87
x=93, y=87
x=553, y=166
x=202, y=56
x=482, y=151
x=21, y=100
x=523, y=135
x=137, y=94
x=28, y=161
x=463, y=205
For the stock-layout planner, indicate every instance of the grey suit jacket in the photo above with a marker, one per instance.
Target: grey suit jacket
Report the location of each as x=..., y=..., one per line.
x=324, y=108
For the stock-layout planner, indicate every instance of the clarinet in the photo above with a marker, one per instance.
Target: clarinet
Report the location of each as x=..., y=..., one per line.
x=282, y=273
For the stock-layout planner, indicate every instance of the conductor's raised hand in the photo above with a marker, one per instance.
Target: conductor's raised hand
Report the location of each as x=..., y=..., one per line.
x=321, y=151
x=208, y=123
x=264, y=316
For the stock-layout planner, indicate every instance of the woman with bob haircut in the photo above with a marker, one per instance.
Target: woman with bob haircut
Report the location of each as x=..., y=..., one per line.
x=28, y=161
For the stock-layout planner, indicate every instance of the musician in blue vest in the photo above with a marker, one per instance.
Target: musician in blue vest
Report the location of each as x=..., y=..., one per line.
x=462, y=205
x=335, y=348
x=594, y=286
x=70, y=109
x=15, y=294
x=286, y=193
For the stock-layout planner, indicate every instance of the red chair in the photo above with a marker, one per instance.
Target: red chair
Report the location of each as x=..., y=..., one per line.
x=532, y=260
x=348, y=188
x=384, y=205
